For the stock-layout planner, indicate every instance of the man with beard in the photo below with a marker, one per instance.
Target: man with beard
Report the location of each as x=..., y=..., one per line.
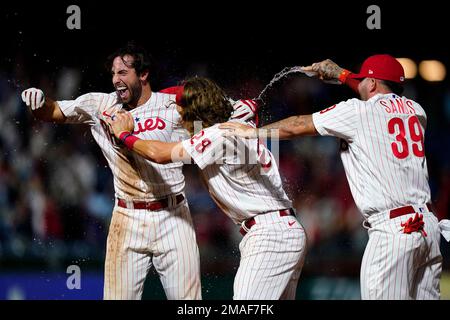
x=151, y=222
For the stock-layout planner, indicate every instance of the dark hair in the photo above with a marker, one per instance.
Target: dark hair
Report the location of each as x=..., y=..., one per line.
x=204, y=100
x=393, y=86
x=142, y=61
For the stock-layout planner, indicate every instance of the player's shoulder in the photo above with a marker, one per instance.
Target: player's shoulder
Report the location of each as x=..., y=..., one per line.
x=102, y=97
x=415, y=105
x=97, y=100
x=166, y=95
x=370, y=104
x=352, y=102
x=213, y=130
x=93, y=96
x=213, y=133
x=340, y=107
x=352, y=106
x=164, y=100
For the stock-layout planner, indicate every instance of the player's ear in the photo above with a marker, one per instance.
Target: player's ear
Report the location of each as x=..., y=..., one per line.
x=144, y=75
x=373, y=84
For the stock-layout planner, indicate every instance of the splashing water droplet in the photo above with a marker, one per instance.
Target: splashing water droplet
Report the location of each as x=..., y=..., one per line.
x=280, y=75
x=283, y=73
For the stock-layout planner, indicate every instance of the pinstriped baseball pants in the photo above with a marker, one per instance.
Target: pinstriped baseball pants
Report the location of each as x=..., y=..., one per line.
x=138, y=239
x=272, y=257
x=399, y=266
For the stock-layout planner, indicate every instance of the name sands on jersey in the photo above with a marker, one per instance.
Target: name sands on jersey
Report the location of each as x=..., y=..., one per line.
x=398, y=105
x=394, y=105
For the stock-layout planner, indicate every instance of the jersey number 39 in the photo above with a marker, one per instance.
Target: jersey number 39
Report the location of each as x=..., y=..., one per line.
x=400, y=148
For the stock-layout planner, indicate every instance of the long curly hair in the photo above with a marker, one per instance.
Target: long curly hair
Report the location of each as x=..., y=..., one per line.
x=203, y=100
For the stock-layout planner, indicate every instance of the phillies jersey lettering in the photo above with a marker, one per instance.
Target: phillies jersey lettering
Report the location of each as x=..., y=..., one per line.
x=149, y=125
x=384, y=154
x=157, y=119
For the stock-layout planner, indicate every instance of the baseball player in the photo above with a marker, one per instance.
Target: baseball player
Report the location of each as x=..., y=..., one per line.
x=151, y=223
x=243, y=179
x=383, y=152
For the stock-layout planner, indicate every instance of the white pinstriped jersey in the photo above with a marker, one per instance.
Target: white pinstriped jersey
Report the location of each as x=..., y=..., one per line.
x=241, y=174
x=157, y=119
x=382, y=150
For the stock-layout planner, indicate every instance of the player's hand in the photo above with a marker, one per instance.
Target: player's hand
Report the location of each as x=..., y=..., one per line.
x=310, y=71
x=326, y=70
x=121, y=121
x=234, y=129
x=33, y=98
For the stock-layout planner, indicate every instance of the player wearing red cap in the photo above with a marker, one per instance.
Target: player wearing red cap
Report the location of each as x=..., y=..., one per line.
x=384, y=159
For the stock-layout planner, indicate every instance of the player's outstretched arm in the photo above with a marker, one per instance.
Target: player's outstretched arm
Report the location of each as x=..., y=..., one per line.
x=295, y=126
x=122, y=125
x=235, y=129
x=289, y=128
x=44, y=109
x=154, y=150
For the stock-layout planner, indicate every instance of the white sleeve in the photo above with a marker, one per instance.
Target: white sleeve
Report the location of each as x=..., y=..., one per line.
x=206, y=147
x=340, y=120
x=85, y=108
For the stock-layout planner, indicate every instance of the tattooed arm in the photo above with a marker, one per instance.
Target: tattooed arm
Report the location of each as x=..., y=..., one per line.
x=292, y=127
x=289, y=128
x=329, y=70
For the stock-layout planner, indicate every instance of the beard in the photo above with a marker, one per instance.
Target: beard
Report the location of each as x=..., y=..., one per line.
x=131, y=95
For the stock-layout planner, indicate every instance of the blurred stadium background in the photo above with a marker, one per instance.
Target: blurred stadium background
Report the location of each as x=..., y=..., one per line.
x=56, y=191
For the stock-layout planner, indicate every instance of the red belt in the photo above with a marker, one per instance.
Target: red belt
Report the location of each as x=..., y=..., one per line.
x=405, y=210
x=150, y=205
x=251, y=222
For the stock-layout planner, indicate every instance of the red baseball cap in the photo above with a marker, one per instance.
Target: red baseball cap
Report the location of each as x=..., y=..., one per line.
x=382, y=67
x=177, y=90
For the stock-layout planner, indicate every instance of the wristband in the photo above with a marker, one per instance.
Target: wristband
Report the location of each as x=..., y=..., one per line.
x=343, y=76
x=128, y=139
